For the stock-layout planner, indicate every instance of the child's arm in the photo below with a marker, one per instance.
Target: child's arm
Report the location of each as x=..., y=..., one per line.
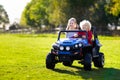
x=90, y=37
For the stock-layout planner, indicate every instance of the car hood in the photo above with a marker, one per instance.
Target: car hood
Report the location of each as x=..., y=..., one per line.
x=72, y=41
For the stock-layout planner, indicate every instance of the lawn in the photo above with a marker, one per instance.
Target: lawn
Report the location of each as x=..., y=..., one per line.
x=22, y=57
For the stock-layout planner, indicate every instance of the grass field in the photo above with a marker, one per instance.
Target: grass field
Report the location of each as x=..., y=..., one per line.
x=22, y=57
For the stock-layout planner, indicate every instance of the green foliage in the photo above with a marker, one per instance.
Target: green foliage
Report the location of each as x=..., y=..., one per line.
x=54, y=12
x=3, y=15
x=34, y=13
x=57, y=12
x=79, y=9
x=98, y=15
x=113, y=7
x=22, y=57
x=46, y=12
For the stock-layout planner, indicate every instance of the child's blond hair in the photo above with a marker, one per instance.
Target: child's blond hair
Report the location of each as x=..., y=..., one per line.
x=71, y=19
x=85, y=22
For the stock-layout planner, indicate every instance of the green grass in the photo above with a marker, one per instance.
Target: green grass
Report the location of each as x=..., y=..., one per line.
x=22, y=57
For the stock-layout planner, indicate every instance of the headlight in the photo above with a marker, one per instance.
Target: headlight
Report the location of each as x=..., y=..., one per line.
x=76, y=46
x=80, y=45
x=67, y=48
x=61, y=48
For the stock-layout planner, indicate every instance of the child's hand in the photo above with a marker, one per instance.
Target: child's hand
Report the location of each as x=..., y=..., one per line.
x=83, y=36
x=75, y=35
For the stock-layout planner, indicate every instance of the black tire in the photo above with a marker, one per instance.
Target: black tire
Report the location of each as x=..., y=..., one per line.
x=99, y=61
x=67, y=63
x=50, y=61
x=87, y=62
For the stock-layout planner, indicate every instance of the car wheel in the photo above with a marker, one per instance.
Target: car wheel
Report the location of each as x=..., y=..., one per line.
x=87, y=61
x=50, y=61
x=99, y=61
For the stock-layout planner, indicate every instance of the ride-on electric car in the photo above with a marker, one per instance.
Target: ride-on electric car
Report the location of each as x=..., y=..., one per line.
x=66, y=50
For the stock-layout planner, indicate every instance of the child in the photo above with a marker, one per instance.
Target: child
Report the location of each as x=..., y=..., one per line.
x=86, y=26
x=72, y=25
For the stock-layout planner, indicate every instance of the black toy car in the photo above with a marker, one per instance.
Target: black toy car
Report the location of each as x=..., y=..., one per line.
x=66, y=50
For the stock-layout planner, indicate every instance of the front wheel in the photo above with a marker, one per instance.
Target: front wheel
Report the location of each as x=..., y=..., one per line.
x=50, y=61
x=99, y=61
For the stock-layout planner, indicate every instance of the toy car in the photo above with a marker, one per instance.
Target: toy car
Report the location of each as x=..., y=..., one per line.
x=66, y=50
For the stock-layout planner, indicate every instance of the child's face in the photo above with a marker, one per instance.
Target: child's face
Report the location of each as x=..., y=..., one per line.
x=72, y=25
x=86, y=27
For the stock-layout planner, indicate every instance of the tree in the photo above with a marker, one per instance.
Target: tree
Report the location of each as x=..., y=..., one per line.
x=98, y=15
x=39, y=12
x=56, y=12
x=34, y=13
x=113, y=10
x=113, y=7
x=80, y=9
x=3, y=15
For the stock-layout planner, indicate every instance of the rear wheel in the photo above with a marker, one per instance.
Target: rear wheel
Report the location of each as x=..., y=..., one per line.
x=99, y=61
x=87, y=61
x=50, y=61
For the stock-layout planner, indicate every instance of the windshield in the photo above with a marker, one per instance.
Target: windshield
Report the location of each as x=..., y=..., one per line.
x=72, y=34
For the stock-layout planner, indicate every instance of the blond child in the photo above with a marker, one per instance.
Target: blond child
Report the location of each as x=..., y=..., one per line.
x=72, y=25
x=86, y=26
